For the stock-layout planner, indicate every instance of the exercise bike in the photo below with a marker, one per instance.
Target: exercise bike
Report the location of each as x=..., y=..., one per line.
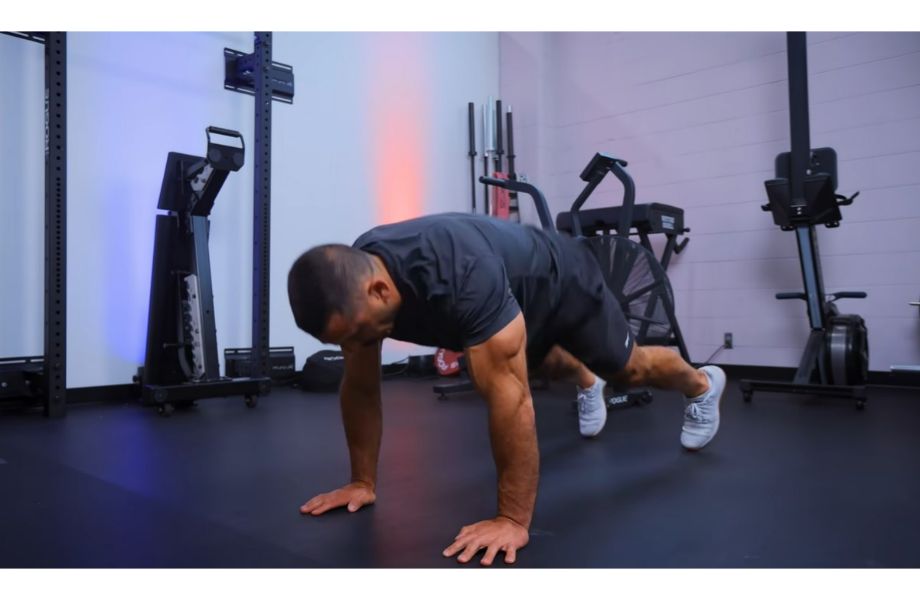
x=635, y=276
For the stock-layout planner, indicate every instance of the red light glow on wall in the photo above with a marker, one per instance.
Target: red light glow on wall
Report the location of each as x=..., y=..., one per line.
x=399, y=98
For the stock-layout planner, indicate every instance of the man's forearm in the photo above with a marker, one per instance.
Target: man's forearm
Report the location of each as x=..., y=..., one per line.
x=361, y=415
x=517, y=459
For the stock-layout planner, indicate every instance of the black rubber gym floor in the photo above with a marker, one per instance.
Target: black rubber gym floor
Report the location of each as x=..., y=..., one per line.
x=788, y=482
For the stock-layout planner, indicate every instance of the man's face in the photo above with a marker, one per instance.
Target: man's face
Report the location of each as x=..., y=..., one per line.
x=366, y=328
x=373, y=319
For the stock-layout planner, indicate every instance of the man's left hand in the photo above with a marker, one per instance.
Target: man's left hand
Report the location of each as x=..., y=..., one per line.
x=498, y=534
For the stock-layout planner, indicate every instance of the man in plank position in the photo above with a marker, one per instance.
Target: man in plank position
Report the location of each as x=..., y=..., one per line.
x=513, y=298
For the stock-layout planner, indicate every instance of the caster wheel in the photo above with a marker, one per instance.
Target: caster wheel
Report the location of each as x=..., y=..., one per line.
x=860, y=404
x=748, y=396
x=166, y=410
x=252, y=401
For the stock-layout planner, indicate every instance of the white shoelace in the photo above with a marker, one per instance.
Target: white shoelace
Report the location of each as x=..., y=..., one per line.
x=582, y=398
x=694, y=412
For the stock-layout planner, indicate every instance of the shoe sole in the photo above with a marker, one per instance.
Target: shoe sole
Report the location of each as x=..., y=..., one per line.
x=592, y=435
x=589, y=436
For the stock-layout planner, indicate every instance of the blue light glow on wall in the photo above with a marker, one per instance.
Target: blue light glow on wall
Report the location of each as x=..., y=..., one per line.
x=134, y=98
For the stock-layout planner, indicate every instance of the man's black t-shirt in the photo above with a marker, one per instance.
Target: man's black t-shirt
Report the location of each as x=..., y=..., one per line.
x=464, y=277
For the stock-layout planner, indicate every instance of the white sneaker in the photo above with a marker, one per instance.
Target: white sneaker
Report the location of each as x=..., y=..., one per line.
x=592, y=410
x=701, y=417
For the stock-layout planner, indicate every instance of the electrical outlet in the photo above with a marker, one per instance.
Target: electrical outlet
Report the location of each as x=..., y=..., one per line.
x=729, y=343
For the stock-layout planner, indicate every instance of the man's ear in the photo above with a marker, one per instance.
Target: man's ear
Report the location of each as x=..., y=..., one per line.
x=380, y=289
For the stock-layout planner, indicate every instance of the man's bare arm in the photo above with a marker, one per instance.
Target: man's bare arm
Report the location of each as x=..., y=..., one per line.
x=499, y=370
x=361, y=412
x=361, y=415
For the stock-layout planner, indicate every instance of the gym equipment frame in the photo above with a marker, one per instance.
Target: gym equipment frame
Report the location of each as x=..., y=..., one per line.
x=256, y=74
x=835, y=361
x=46, y=376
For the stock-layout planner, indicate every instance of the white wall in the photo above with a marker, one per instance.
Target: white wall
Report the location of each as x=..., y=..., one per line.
x=700, y=117
x=377, y=133
x=22, y=184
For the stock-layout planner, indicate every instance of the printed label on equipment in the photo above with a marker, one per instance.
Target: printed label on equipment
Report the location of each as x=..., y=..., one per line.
x=667, y=222
x=617, y=400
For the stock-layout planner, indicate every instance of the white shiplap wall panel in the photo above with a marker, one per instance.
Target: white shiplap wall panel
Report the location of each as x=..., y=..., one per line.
x=700, y=118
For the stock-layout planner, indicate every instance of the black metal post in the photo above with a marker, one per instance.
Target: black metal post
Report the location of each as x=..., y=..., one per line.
x=261, y=234
x=498, y=136
x=55, y=358
x=800, y=162
x=581, y=199
x=512, y=173
x=486, y=149
x=813, y=282
x=629, y=199
x=798, y=115
x=511, y=156
x=472, y=153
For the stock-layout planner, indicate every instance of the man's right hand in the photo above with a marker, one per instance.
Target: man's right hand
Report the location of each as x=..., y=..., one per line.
x=354, y=496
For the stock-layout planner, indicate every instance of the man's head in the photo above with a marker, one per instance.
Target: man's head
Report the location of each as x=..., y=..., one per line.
x=341, y=295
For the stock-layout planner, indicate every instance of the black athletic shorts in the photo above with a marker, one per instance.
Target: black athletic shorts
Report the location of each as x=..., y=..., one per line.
x=588, y=322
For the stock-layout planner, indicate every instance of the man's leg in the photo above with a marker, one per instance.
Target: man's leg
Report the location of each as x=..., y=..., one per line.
x=562, y=366
x=661, y=368
x=654, y=366
x=665, y=369
x=597, y=334
x=592, y=409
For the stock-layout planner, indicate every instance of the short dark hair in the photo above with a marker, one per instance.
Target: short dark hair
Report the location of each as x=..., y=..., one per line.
x=326, y=280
